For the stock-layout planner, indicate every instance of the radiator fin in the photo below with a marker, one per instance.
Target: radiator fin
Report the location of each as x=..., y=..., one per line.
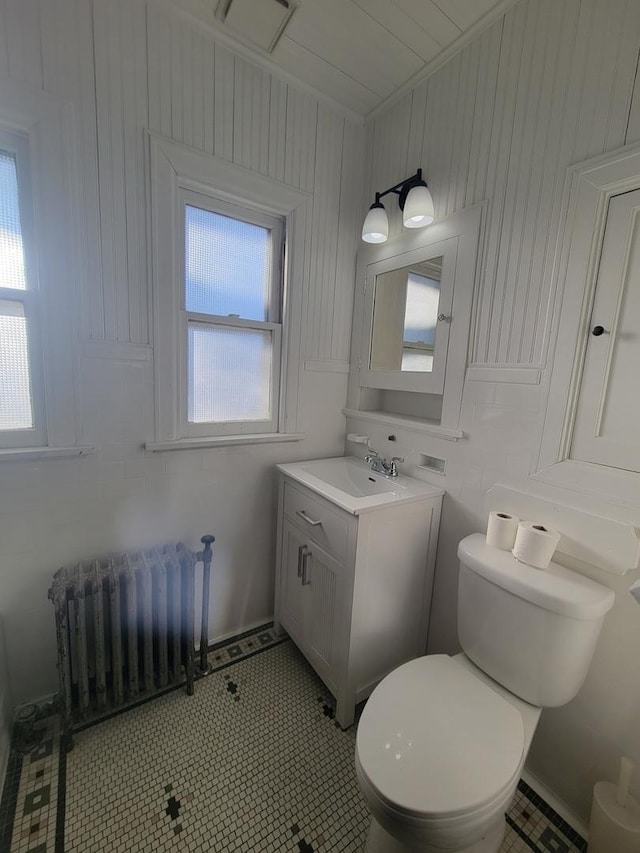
x=125, y=629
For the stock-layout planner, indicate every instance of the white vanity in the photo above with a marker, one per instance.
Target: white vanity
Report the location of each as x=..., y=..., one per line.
x=354, y=571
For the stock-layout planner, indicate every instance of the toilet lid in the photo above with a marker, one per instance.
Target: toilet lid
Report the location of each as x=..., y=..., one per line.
x=435, y=740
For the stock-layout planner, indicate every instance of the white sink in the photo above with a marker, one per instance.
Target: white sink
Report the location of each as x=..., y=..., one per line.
x=351, y=484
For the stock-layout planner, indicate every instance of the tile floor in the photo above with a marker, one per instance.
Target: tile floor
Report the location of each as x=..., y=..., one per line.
x=253, y=762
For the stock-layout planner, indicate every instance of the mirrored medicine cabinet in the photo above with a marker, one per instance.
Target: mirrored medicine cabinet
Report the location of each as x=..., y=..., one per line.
x=412, y=318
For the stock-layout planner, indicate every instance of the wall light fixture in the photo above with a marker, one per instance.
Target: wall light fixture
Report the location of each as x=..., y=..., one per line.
x=416, y=204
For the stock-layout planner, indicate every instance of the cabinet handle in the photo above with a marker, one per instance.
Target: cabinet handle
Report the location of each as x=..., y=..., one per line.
x=300, y=553
x=305, y=557
x=303, y=515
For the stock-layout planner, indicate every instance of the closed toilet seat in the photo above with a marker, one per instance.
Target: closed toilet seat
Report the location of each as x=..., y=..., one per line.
x=437, y=748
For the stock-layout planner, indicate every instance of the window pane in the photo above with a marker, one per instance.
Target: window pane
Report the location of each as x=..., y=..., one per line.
x=229, y=374
x=227, y=264
x=421, y=317
x=11, y=250
x=16, y=411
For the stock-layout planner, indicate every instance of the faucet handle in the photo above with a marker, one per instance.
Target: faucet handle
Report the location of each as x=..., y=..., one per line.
x=393, y=467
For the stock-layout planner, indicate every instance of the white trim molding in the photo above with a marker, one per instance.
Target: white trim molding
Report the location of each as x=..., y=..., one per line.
x=48, y=123
x=588, y=189
x=224, y=441
x=174, y=168
x=515, y=374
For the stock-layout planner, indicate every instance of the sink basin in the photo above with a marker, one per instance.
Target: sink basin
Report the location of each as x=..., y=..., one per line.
x=351, y=484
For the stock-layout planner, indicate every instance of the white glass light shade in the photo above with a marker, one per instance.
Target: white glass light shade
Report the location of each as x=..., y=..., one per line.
x=376, y=225
x=418, y=208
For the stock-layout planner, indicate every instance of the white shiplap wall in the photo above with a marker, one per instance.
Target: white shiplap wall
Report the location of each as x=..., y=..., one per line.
x=541, y=89
x=126, y=67
x=551, y=84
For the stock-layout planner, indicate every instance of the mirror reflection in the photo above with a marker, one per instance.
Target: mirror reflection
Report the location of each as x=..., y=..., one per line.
x=405, y=316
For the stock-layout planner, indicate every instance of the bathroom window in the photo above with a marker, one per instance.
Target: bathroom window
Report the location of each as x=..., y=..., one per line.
x=21, y=415
x=231, y=318
x=227, y=254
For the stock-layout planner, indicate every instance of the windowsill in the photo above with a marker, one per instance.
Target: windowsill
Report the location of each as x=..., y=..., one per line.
x=223, y=441
x=14, y=454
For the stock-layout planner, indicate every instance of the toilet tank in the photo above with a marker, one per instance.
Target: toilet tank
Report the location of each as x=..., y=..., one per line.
x=534, y=631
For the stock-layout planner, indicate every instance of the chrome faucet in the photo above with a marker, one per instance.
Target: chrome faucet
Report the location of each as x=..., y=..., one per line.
x=381, y=465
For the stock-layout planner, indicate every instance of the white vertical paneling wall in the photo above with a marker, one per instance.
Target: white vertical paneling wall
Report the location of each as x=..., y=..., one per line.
x=550, y=84
x=127, y=66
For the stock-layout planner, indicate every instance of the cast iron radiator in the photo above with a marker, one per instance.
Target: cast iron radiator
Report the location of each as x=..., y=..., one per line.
x=125, y=629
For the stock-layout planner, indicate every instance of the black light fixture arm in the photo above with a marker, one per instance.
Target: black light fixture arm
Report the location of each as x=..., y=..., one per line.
x=403, y=188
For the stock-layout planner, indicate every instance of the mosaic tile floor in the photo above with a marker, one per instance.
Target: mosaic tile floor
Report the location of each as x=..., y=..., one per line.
x=253, y=763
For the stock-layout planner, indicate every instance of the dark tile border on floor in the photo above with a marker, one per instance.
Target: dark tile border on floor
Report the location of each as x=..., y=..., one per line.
x=10, y=797
x=569, y=833
x=61, y=805
x=553, y=817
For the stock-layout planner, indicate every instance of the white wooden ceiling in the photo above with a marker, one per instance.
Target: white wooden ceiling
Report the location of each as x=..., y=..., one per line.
x=360, y=52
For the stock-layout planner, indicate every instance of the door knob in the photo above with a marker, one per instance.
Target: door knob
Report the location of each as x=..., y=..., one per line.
x=597, y=331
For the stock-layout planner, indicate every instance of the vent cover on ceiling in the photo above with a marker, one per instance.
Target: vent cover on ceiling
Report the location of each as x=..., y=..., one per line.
x=260, y=22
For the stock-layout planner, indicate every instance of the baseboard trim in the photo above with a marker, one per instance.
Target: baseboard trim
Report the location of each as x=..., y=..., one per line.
x=237, y=634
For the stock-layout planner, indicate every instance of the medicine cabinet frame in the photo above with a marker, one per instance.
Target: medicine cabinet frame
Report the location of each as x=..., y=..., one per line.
x=456, y=238
x=431, y=382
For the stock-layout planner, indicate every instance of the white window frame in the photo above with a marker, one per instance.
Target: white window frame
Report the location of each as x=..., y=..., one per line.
x=272, y=324
x=17, y=145
x=46, y=125
x=175, y=171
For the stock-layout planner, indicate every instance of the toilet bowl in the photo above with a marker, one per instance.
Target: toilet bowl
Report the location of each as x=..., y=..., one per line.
x=442, y=740
x=470, y=733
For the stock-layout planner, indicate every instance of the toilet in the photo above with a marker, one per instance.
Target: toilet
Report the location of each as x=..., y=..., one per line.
x=442, y=740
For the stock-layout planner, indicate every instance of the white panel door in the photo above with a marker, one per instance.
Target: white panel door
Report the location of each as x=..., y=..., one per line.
x=607, y=427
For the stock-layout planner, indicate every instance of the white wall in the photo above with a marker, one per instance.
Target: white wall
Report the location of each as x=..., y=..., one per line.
x=126, y=66
x=549, y=85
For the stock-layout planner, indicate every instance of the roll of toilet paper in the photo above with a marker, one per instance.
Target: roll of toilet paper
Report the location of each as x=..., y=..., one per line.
x=535, y=544
x=613, y=828
x=501, y=530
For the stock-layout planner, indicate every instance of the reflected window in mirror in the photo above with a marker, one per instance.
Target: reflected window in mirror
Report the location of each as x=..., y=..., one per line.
x=405, y=317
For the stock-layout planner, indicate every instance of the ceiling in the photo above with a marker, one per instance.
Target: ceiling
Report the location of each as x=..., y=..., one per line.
x=361, y=52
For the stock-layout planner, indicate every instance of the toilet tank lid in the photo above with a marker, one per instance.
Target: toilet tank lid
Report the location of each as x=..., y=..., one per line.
x=556, y=589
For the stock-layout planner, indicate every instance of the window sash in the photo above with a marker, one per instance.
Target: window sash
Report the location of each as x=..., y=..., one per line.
x=210, y=428
x=273, y=325
x=255, y=217
x=18, y=145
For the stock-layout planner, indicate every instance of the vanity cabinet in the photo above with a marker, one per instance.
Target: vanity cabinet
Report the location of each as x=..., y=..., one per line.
x=353, y=589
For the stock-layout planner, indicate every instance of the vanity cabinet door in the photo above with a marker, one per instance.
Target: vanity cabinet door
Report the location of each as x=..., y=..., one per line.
x=294, y=595
x=321, y=576
x=309, y=584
